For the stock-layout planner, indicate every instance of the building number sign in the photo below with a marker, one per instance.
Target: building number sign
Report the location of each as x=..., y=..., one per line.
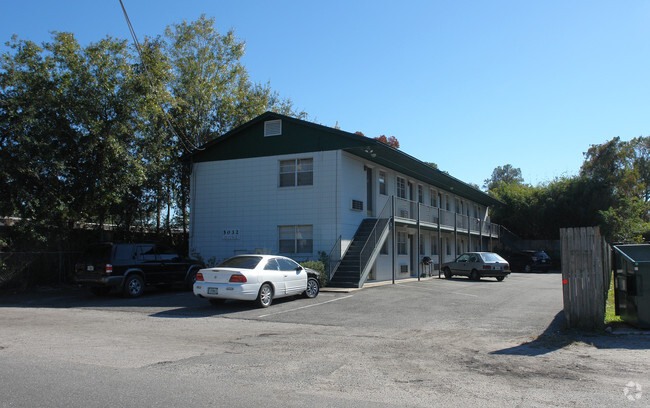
x=231, y=233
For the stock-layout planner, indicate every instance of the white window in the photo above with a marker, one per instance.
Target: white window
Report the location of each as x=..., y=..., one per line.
x=296, y=172
x=296, y=239
x=420, y=194
x=434, y=198
x=401, y=243
x=382, y=183
x=401, y=187
x=434, y=245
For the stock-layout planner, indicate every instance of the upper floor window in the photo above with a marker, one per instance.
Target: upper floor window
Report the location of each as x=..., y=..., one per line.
x=420, y=194
x=382, y=183
x=434, y=198
x=296, y=172
x=401, y=187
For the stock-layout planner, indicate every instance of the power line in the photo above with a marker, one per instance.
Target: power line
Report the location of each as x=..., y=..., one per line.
x=188, y=145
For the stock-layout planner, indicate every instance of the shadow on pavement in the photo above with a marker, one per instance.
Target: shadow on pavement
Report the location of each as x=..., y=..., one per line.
x=556, y=337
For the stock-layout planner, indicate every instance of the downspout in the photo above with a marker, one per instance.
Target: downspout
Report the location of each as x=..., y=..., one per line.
x=439, y=244
x=417, y=250
x=393, y=235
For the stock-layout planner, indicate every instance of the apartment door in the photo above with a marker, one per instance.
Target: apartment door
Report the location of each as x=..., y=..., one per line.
x=369, y=192
x=413, y=252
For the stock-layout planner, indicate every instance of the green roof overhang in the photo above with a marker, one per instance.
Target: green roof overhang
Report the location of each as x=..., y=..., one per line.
x=301, y=136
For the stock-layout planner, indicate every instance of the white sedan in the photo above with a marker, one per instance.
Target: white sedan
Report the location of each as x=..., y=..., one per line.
x=261, y=278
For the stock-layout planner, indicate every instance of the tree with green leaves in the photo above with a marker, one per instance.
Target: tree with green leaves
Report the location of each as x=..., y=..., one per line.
x=503, y=174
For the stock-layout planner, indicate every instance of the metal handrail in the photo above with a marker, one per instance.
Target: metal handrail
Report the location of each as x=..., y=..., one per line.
x=332, y=270
x=373, y=238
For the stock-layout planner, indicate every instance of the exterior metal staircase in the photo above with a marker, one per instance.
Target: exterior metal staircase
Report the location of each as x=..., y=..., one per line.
x=348, y=273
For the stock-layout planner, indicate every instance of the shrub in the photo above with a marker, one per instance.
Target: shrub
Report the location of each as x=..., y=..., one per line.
x=318, y=266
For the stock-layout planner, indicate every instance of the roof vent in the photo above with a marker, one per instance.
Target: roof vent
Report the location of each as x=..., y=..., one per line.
x=273, y=128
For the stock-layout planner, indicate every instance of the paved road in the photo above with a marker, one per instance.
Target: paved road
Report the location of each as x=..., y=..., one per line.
x=418, y=344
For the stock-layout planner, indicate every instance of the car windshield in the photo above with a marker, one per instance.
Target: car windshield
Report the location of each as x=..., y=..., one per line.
x=244, y=262
x=492, y=257
x=541, y=255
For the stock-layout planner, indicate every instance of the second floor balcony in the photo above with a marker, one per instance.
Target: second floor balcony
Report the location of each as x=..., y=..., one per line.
x=411, y=212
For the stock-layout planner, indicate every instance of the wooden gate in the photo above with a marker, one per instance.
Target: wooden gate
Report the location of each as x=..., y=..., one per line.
x=586, y=275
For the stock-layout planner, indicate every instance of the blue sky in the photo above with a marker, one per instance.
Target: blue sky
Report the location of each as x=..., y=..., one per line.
x=469, y=85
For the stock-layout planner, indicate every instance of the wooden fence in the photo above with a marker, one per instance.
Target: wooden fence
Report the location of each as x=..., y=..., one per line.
x=586, y=275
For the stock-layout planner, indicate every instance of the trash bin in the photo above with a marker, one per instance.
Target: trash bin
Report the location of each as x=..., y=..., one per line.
x=632, y=283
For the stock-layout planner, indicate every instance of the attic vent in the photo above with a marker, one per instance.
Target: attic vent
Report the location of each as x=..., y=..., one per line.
x=357, y=205
x=273, y=128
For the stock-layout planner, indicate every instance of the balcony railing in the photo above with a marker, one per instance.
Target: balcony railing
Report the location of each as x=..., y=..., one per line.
x=435, y=217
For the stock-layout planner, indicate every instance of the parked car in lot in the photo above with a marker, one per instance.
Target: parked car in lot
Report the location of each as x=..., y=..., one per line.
x=129, y=267
x=477, y=265
x=259, y=278
x=529, y=261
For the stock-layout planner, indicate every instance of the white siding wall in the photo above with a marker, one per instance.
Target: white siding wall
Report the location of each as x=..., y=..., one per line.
x=245, y=194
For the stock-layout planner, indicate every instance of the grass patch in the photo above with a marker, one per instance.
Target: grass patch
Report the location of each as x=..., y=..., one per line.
x=610, y=317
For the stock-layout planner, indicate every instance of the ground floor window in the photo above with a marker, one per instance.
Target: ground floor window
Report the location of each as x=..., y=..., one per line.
x=401, y=243
x=434, y=245
x=296, y=239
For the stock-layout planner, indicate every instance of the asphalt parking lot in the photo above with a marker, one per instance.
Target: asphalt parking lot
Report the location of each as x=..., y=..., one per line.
x=435, y=342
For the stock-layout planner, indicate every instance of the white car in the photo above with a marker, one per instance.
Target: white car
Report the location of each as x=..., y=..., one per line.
x=261, y=278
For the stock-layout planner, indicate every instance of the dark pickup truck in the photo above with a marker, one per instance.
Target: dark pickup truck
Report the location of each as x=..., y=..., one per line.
x=129, y=267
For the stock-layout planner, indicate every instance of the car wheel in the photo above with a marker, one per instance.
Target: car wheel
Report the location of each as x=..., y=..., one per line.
x=191, y=278
x=217, y=302
x=265, y=297
x=475, y=275
x=133, y=286
x=313, y=287
x=500, y=278
x=100, y=290
x=447, y=273
x=527, y=268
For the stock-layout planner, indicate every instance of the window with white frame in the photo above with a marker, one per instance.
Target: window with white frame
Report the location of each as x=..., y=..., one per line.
x=447, y=204
x=296, y=172
x=434, y=245
x=382, y=183
x=447, y=246
x=296, y=239
x=401, y=187
x=401, y=243
x=420, y=194
x=434, y=198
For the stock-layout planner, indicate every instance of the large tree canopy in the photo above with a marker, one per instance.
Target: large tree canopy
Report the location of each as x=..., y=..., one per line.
x=611, y=191
x=95, y=133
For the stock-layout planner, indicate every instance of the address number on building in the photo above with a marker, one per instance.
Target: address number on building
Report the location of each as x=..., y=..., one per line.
x=231, y=233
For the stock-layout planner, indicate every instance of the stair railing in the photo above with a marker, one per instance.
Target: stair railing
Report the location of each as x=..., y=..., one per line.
x=374, y=237
x=335, y=257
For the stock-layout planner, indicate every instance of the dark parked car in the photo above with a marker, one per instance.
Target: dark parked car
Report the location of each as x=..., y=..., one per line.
x=129, y=267
x=530, y=260
x=477, y=265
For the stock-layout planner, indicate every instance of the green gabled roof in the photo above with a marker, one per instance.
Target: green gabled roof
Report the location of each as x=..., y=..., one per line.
x=299, y=136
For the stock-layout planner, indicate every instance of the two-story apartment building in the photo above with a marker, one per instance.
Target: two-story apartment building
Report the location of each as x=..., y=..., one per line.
x=285, y=186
